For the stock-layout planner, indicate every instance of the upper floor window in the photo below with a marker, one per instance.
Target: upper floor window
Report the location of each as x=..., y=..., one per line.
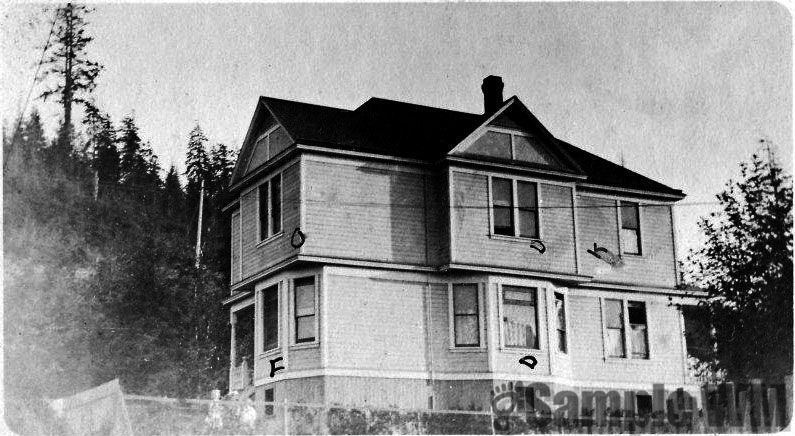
x=519, y=317
x=270, y=207
x=616, y=335
x=466, y=314
x=270, y=318
x=560, y=322
x=514, y=205
x=630, y=228
x=304, y=310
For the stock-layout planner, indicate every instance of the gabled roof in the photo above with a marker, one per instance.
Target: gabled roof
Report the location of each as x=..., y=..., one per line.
x=407, y=130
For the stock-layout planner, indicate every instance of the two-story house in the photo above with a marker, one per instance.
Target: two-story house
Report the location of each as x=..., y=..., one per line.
x=405, y=255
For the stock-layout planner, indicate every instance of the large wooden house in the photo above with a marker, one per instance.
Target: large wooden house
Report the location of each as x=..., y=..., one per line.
x=405, y=255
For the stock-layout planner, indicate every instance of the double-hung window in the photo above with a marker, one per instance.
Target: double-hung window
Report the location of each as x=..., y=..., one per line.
x=560, y=320
x=614, y=324
x=466, y=314
x=630, y=228
x=270, y=318
x=618, y=314
x=519, y=317
x=304, y=310
x=514, y=205
x=639, y=337
x=270, y=207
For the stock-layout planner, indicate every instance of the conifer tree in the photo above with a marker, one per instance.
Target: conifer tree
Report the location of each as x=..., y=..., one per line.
x=197, y=166
x=67, y=60
x=33, y=140
x=746, y=269
x=102, y=141
x=173, y=202
x=132, y=163
x=222, y=162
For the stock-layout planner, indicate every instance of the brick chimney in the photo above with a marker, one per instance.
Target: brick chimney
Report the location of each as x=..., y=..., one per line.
x=492, y=93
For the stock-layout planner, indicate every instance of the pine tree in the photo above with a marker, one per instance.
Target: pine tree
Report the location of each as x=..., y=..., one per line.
x=746, y=269
x=102, y=141
x=33, y=138
x=197, y=167
x=222, y=162
x=197, y=161
x=76, y=74
x=132, y=163
x=173, y=200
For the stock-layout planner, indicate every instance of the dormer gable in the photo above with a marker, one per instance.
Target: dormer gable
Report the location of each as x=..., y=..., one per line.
x=266, y=138
x=512, y=135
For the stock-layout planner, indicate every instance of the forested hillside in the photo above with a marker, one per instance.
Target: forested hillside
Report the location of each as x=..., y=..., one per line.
x=100, y=275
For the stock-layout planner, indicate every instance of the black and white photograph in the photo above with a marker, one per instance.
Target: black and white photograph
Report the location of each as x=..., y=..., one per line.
x=396, y=218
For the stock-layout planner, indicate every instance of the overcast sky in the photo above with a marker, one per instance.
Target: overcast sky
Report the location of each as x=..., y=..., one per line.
x=683, y=90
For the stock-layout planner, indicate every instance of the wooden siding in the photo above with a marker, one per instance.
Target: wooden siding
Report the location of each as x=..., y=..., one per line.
x=367, y=212
x=375, y=324
x=235, y=247
x=506, y=360
x=443, y=359
x=256, y=256
x=587, y=344
x=472, y=243
x=597, y=219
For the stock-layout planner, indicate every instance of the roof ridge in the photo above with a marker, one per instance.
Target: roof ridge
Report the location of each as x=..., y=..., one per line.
x=406, y=103
x=284, y=100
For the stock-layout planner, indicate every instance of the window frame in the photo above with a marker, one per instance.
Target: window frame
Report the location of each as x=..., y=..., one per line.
x=267, y=136
x=515, y=208
x=626, y=327
x=646, y=336
x=260, y=313
x=565, y=301
x=452, y=346
x=539, y=322
x=638, y=231
x=266, y=185
x=513, y=133
x=294, y=343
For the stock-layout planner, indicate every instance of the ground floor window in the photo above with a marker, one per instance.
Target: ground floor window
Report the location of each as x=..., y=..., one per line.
x=519, y=317
x=270, y=318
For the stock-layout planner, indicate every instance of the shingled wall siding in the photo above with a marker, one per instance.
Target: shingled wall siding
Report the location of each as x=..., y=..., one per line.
x=598, y=223
x=365, y=211
x=256, y=256
x=473, y=245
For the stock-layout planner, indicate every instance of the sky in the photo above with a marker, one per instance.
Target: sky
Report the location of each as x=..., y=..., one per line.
x=683, y=91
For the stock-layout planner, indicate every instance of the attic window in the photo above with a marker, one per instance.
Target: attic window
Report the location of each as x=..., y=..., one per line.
x=269, y=144
x=513, y=145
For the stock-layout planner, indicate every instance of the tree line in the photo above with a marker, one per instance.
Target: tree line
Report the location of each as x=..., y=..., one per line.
x=100, y=275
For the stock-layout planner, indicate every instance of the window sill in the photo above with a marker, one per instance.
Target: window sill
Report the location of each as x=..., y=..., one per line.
x=467, y=349
x=517, y=239
x=304, y=345
x=270, y=239
x=518, y=350
x=628, y=360
x=269, y=353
